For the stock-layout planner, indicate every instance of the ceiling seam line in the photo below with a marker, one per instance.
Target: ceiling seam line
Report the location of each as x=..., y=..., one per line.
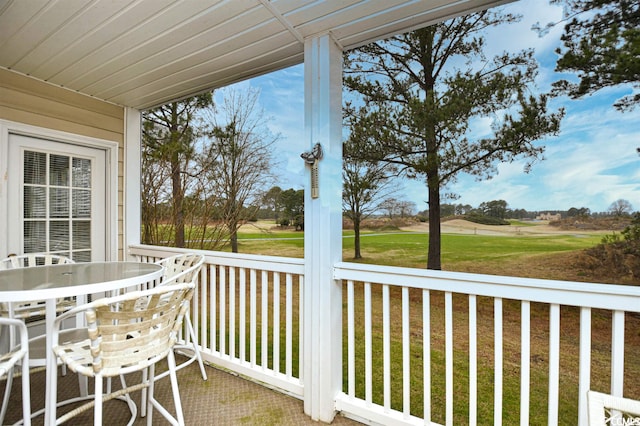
x=267, y=4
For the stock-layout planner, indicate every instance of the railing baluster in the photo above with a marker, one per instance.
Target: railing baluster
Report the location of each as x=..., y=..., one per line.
x=204, y=312
x=367, y=343
x=406, y=354
x=193, y=311
x=498, y=362
x=243, y=315
x=264, y=321
x=276, y=322
x=426, y=354
x=473, y=360
x=584, y=383
x=554, y=362
x=232, y=312
x=289, y=326
x=386, y=349
x=448, y=350
x=222, y=316
x=213, y=320
x=252, y=316
x=617, y=353
x=351, y=341
x=301, y=328
x=525, y=361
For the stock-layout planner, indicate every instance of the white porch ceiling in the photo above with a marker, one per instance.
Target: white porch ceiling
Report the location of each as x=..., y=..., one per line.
x=144, y=53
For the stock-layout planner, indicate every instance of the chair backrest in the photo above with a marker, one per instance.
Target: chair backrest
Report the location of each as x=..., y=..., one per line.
x=603, y=408
x=33, y=308
x=9, y=359
x=32, y=259
x=181, y=268
x=132, y=331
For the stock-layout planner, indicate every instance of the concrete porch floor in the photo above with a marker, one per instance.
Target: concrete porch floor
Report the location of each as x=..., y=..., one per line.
x=224, y=399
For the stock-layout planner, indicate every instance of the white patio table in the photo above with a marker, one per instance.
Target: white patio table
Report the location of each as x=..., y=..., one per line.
x=69, y=280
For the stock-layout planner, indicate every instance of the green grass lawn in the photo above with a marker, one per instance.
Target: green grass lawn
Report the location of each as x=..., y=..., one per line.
x=409, y=249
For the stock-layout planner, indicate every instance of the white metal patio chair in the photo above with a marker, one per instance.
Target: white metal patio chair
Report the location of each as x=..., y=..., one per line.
x=29, y=310
x=8, y=362
x=32, y=309
x=124, y=334
x=32, y=259
x=607, y=409
x=185, y=268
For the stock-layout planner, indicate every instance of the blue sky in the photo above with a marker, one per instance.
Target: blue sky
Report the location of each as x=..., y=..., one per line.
x=592, y=163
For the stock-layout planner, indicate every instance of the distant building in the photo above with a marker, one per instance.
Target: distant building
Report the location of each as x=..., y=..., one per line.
x=548, y=216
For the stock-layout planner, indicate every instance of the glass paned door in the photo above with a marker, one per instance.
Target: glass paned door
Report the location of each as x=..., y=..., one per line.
x=61, y=197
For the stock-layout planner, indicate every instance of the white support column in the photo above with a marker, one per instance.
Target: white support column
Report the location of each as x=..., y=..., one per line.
x=323, y=229
x=132, y=183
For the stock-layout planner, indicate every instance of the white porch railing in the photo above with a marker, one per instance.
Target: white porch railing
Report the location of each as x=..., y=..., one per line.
x=243, y=312
x=426, y=347
x=463, y=317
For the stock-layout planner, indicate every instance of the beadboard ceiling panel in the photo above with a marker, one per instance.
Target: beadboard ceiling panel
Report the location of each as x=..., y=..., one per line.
x=143, y=53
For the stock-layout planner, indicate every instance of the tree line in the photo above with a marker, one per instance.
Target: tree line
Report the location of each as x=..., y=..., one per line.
x=500, y=209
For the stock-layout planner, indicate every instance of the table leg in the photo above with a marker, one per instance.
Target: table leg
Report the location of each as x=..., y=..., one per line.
x=83, y=381
x=51, y=379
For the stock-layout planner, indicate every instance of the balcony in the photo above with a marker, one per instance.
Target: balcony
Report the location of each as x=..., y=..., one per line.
x=424, y=346
x=419, y=346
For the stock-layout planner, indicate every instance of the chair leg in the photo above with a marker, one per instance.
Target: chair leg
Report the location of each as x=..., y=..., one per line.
x=143, y=394
x=52, y=379
x=7, y=395
x=152, y=403
x=192, y=345
x=26, y=392
x=196, y=349
x=149, y=395
x=174, y=387
x=83, y=384
x=133, y=409
x=97, y=413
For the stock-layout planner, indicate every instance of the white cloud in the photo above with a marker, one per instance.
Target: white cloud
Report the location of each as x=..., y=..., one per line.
x=520, y=35
x=481, y=126
x=593, y=163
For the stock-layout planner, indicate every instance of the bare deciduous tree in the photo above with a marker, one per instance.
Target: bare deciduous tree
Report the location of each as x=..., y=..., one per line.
x=620, y=207
x=240, y=158
x=168, y=136
x=365, y=186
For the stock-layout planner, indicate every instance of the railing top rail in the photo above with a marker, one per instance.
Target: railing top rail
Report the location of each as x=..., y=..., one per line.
x=605, y=296
x=238, y=260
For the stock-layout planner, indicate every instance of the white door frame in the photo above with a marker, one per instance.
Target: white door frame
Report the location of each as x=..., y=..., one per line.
x=111, y=179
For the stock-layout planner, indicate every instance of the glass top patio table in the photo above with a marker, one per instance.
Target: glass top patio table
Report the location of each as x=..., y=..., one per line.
x=68, y=280
x=55, y=281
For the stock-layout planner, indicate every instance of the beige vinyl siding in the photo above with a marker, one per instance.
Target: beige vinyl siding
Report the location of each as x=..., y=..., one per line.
x=33, y=102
